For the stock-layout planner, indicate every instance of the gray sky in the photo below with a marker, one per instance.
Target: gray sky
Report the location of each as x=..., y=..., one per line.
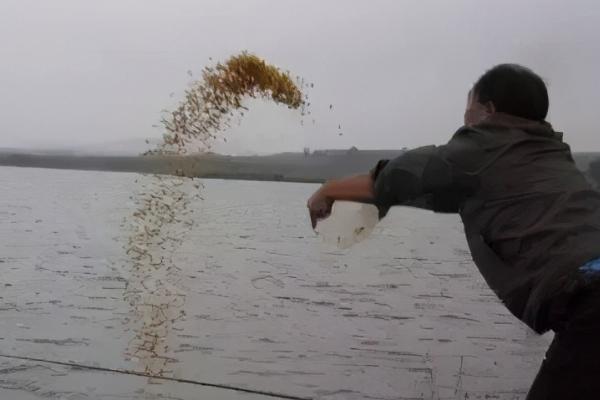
x=79, y=73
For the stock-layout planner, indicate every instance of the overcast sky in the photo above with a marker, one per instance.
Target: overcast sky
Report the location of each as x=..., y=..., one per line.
x=78, y=73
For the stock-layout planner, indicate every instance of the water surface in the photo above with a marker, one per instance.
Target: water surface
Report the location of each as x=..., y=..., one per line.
x=264, y=305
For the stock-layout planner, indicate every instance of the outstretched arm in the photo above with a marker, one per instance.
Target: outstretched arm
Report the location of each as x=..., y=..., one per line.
x=422, y=178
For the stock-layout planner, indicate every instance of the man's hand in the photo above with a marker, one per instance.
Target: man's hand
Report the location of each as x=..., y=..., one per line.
x=319, y=206
x=357, y=188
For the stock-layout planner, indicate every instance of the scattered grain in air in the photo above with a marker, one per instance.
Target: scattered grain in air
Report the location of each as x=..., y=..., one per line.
x=209, y=103
x=165, y=204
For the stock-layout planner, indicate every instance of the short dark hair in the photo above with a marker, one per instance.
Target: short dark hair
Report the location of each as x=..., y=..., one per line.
x=514, y=89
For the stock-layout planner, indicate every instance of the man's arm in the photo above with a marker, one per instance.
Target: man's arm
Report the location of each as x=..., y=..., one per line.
x=420, y=178
x=355, y=188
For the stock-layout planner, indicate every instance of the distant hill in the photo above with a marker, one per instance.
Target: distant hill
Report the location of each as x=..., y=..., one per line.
x=282, y=167
x=297, y=167
x=128, y=147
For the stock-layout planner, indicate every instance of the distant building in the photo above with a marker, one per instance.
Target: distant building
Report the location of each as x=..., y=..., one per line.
x=336, y=152
x=355, y=152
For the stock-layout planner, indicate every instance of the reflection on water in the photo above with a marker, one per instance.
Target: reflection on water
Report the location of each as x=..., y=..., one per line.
x=158, y=228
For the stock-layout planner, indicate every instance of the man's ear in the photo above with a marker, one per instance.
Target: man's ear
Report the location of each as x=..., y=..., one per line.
x=490, y=108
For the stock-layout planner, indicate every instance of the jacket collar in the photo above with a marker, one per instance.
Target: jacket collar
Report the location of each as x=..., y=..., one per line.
x=507, y=121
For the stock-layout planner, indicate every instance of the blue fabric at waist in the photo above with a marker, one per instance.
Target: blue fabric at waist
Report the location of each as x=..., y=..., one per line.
x=591, y=268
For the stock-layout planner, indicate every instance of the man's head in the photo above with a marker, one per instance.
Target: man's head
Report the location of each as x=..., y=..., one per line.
x=508, y=88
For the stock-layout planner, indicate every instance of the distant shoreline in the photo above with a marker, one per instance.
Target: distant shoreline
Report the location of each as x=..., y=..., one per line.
x=290, y=167
x=285, y=167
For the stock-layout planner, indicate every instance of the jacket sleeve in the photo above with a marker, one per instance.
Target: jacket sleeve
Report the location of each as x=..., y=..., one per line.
x=423, y=178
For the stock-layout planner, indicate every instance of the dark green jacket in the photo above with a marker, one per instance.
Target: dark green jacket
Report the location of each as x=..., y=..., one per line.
x=531, y=218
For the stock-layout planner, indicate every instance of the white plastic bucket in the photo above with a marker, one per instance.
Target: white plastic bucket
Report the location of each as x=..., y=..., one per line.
x=348, y=224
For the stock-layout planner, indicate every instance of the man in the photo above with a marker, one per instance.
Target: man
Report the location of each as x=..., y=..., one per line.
x=531, y=219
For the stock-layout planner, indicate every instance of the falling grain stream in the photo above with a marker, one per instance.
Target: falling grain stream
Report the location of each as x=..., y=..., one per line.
x=163, y=218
